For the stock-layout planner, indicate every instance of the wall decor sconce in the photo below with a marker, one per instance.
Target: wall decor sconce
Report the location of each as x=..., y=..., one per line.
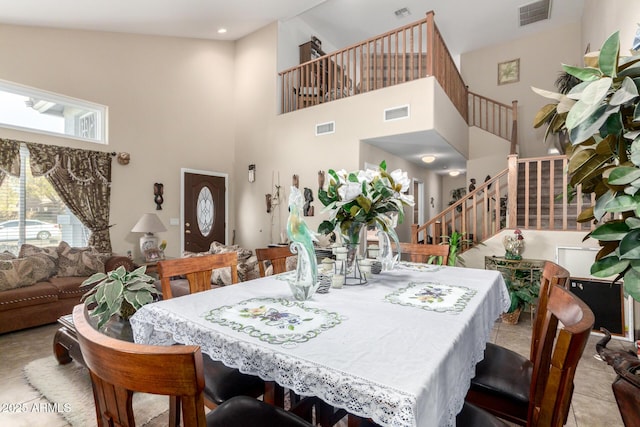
x=158, y=190
x=295, y=181
x=268, y=200
x=123, y=158
x=308, y=198
x=252, y=173
x=320, y=180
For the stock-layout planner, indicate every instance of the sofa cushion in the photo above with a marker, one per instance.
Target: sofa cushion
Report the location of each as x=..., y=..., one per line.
x=39, y=293
x=18, y=273
x=78, y=262
x=50, y=252
x=69, y=287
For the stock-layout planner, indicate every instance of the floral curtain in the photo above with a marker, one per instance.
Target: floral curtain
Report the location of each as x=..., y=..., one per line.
x=9, y=158
x=82, y=178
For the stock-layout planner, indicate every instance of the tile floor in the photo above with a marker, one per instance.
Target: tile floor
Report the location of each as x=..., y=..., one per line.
x=593, y=403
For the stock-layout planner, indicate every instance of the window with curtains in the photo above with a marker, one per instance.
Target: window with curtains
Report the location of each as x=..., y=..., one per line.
x=64, y=191
x=31, y=211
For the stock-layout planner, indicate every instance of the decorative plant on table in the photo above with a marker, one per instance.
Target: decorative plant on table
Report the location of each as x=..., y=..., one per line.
x=364, y=197
x=603, y=122
x=118, y=292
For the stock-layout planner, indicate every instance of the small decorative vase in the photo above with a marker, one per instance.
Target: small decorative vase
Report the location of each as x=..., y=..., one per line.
x=352, y=245
x=514, y=247
x=305, y=283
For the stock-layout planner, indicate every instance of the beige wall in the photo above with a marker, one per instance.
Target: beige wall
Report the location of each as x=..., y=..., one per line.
x=603, y=18
x=170, y=106
x=541, y=57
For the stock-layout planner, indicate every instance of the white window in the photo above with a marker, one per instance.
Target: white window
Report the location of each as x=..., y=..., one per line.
x=26, y=108
x=32, y=212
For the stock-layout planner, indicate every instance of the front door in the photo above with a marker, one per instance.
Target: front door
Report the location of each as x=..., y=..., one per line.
x=204, y=211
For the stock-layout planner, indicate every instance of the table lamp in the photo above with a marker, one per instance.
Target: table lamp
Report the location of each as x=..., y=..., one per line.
x=149, y=223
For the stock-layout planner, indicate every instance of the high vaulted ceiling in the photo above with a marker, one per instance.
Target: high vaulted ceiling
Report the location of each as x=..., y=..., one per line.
x=466, y=25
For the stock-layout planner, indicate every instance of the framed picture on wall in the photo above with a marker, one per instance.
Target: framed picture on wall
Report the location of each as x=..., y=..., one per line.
x=509, y=71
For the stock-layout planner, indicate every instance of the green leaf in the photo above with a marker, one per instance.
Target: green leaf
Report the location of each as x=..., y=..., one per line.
x=610, y=231
x=97, y=277
x=630, y=245
x=625, y=93
x=383, y=165
x=623, y=175
x=599, y=210
x=622, y=203
x=543, y=115
x=326, y=227
x=589, y=126
x=608, y=266
x=609, y=52
x=632, y=284
x=112, y=291
x=586, y=74
x=632, y=222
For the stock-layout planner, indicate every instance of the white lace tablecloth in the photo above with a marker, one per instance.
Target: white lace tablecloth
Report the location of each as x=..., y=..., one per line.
x=400, y=350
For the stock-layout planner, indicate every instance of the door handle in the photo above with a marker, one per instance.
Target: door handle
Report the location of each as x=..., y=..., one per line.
x=187, y=231
x=187, y=225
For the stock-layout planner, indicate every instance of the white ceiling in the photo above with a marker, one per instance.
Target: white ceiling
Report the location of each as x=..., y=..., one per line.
x=465, y=25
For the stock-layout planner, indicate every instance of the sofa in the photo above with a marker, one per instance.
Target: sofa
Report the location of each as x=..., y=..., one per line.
x=43, y=283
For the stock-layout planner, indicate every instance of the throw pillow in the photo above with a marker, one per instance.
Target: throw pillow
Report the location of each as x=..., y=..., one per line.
x=16, y=273
x=48, y=252
x=74, y=262
x=7, y=255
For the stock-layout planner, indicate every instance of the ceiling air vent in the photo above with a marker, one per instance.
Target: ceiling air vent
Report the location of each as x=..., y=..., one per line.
x=325, y=128
x=534, y=12
x=396, y=113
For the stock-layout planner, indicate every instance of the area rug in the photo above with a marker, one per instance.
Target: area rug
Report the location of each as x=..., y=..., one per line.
x=69, y=386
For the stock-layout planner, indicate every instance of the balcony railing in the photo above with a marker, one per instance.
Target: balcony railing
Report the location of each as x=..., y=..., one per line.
x=408, y=53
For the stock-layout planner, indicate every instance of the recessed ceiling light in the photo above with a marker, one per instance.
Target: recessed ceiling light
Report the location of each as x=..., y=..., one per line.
x=429, y=159
x=222, y=30
x=454, y=173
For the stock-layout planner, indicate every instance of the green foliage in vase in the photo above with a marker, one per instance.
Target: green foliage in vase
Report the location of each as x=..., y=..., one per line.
x=371, y=197
x=602, y=117
x=119, y=292
x=521, y=293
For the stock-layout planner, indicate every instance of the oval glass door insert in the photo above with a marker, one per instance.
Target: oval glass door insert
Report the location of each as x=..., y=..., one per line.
x=205, y=211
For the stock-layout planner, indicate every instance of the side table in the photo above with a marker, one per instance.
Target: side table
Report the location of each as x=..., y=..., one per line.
x=65, y=342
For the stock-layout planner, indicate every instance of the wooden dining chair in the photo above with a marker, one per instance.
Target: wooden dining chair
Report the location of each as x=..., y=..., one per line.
x=221, y=381
x=277, y=256
x=120, y=368
x=549, y=377
x=197, y=271
x=424, y=253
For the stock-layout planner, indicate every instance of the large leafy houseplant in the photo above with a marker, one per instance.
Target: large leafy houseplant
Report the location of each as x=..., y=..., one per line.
x=118, y=292
x=602, y=117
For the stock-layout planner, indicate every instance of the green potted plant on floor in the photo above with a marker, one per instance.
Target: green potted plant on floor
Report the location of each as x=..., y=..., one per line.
x=521, y=292
x=603, y=122
x=118, y=293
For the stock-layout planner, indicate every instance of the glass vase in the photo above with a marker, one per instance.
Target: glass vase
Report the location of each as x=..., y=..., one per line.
x=386, y=257
x=305, y=283
x=351, y=238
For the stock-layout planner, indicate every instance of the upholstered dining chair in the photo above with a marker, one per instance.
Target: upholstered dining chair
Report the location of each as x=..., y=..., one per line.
x=221, y=381
x=424, y=253
x=120, y=368
x=509, y=385
x=276, y=255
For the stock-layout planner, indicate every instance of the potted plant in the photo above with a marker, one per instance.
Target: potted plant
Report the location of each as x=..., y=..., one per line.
x=521, y=292
x=603, y=123
x=118, y=293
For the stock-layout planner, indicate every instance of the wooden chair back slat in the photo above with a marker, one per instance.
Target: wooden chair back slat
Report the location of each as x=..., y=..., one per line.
x=423, y=253
x=120, y=368
x=277, y=256
x=557, y=357
x=552, y=275
x=197, y=271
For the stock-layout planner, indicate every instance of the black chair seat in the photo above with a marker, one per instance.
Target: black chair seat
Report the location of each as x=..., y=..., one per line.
x=242, y=411
x=221, y=383
x=472, y=416
x=503, y=380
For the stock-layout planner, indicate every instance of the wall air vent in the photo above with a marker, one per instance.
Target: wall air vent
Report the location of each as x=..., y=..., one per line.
x=325, y=128
x=396, y=113
x=534, y=12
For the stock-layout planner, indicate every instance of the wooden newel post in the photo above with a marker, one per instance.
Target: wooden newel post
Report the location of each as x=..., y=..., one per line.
x=437, y=232
x=514, y=129
x=430, y=42
x=414, y=233
x=512, y=191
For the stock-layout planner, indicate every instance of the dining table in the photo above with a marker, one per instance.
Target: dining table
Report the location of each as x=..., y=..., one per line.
x=399, y=350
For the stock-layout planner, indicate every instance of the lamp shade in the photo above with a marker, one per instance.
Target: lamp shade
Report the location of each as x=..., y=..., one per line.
x=149, y=223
